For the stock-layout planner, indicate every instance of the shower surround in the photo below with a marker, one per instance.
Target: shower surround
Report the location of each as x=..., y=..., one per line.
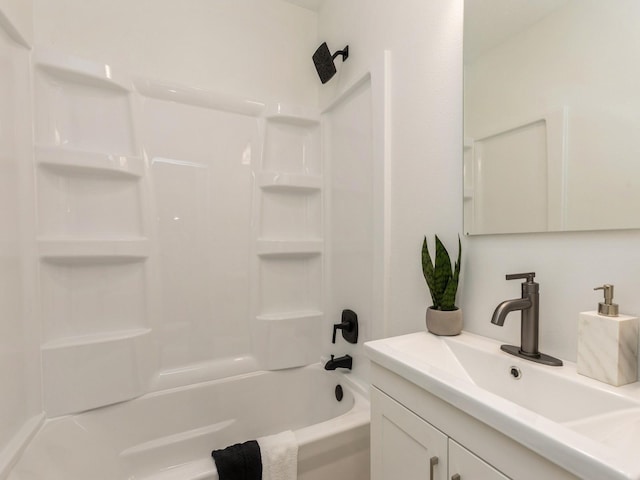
x=179, y=234
x=169, y=235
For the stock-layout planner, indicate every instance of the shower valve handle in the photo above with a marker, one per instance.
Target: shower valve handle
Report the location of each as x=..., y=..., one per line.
x=344, y=326
x=349, y=327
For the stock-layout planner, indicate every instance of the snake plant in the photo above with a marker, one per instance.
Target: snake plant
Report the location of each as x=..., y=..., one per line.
x=441, y=278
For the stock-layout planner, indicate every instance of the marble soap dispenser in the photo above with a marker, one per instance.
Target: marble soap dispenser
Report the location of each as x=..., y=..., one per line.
x=608, y=343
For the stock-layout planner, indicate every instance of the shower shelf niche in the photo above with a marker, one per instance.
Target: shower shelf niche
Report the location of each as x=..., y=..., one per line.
x=72, y=250
x=292, y=141
x=91, y=116
x=93, y=243
x=76, y=70
x=290, y=248
x=63, y=160
x=286, y=316
x=289, y=242
x=291, y=215
x=288, y=182
x=292, y=115
x=88, y=205
x=105, y=337
x=285, y=338
x=80, y=373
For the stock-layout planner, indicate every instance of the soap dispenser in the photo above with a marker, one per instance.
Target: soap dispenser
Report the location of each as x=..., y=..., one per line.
x=607, y=308
x=608, y=343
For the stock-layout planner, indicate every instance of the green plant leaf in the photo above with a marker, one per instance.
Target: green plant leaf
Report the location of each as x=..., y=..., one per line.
x=442, y=271
x=441, y=278
x=449, y=296
x=427, y=269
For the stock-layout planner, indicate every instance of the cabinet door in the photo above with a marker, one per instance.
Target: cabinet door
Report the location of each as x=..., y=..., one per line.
x=467, y=466
x=404, y=446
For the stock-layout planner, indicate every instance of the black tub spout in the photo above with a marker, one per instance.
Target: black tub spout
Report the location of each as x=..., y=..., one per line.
x=340, y=362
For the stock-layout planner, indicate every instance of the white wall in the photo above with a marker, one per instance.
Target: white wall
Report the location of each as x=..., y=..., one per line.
x=20, y=406
x=425, y=40
x=424, y=44
x=252, y=48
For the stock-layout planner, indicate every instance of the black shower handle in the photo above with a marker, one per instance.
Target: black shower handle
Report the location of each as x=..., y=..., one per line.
x=349, y=327
x=344, y=326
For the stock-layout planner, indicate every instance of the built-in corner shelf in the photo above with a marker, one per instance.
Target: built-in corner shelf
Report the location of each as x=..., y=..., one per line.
x=292, y=115
x=288, y=338
x=63, y=160
x=289, y=248
x=88, y=371
x=288, y=182
x=291, y=316
x=106, y=337
x=289, y=241
x=77, y=251
x=76, y=70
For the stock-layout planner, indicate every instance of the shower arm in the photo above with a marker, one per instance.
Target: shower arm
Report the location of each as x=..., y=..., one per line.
x=344, y=53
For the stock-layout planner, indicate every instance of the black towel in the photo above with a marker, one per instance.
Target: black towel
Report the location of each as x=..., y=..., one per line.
x=239, y=462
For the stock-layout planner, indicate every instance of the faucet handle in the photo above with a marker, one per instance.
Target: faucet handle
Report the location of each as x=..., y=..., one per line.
x=349, y=327
x=517, y=276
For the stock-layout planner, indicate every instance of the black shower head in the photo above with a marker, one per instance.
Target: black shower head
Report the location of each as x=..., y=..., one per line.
x=323, y=61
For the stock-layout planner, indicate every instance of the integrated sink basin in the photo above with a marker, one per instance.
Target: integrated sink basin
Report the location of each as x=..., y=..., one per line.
x=585, y=426
x=557, y=394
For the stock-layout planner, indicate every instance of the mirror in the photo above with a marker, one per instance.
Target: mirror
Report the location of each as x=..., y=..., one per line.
x=551, y=115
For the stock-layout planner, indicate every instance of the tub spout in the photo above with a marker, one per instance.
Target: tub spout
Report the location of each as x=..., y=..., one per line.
x=340, y=362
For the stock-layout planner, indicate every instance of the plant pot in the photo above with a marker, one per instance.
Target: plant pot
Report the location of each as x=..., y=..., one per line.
x=444, y=322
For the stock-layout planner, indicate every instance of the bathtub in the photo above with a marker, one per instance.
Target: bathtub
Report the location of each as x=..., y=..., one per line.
x=169, y=435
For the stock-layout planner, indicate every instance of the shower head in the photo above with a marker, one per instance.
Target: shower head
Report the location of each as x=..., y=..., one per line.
x=323, y=61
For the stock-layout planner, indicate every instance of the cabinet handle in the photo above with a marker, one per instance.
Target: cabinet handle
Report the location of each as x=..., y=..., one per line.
x=456, y=477
x=432, y=463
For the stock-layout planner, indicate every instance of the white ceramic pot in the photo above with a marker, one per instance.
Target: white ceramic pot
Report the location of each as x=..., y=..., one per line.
x=444, y=322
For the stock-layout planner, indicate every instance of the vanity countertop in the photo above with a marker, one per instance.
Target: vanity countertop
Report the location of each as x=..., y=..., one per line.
x=589, y=428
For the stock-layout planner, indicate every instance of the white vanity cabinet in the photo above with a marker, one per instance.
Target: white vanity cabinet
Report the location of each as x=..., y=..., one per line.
x=402, y=444
x=411, y=429
x=464, y=465
x=405, y=446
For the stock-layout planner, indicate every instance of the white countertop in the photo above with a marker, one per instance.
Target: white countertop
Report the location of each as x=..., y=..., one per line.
x=589, y=428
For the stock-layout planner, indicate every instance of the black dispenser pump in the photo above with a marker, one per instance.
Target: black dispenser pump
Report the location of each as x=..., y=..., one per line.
x=349, y=327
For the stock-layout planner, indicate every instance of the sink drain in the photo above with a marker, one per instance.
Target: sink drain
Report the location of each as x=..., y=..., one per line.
x=515, y=372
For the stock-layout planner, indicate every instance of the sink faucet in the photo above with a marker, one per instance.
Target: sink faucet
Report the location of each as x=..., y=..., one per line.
x=528, y=304
x=340, y=362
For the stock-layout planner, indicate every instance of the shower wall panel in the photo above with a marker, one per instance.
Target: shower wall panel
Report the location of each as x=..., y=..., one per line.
x=201, y=171
x=288, y=292
x=161, y=239
x=254, y=48
x=184, y=244
x=93, y=235
x=20, y=406
x=354, y=194
x=352, y=204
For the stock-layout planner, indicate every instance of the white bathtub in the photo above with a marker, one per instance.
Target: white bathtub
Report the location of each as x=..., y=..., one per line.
x=169, y=435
